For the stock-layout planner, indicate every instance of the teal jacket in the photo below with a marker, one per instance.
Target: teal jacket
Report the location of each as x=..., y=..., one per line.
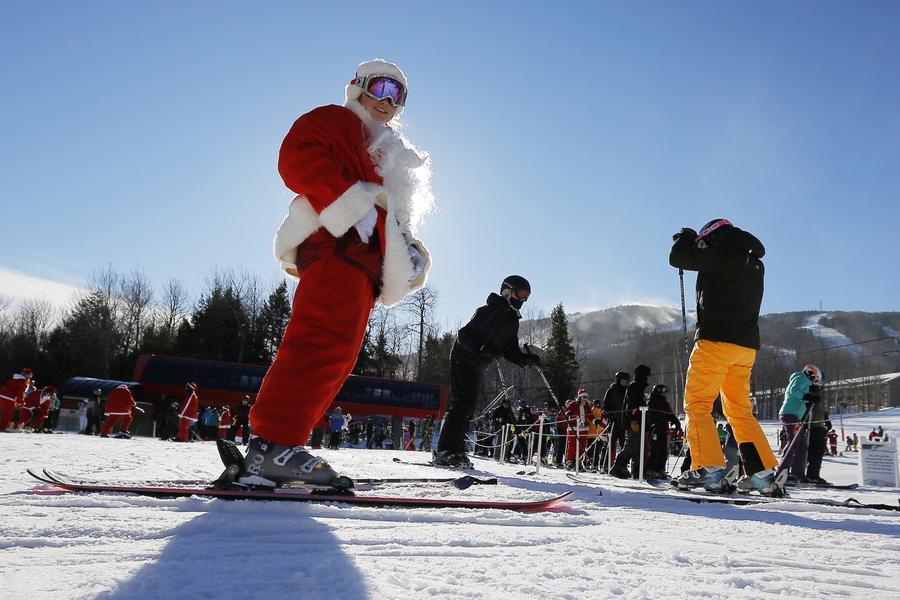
x=797, y=387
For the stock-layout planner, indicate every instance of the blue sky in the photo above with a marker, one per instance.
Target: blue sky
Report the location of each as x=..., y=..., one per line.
x=569, y=141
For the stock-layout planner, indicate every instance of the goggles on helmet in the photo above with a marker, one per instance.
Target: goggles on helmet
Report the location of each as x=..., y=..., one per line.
x=379, y=87
x=520, y=294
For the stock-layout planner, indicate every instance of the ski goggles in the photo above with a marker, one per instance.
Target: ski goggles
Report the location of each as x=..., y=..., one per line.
x=380, y=87
x=521, y=294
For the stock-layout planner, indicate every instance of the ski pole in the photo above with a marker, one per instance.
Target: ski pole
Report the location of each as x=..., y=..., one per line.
x=549, y=389
x=643, y=429
x=684, y=335
x=537, y=465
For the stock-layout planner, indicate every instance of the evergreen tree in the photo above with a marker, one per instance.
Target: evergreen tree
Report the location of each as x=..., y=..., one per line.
x=436, y=358
x=559, y=362
x=214, y=329
x=271, y=323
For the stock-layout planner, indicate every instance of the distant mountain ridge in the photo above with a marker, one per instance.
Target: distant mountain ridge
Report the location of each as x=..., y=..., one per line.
x=620, y=325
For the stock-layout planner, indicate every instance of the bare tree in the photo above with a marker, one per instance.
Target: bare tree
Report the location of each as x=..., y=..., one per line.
x=33, y=321
x=420, y=305
x=105, y=285
x=136, y=295
x=175, y=305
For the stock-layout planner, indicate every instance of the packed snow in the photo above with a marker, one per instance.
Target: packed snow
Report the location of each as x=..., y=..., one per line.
x=608, y=542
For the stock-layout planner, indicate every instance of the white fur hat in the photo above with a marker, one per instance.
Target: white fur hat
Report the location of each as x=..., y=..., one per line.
x=376, y=66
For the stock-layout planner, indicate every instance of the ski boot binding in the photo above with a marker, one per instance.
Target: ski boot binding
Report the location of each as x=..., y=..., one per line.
x=767, y=483
x=269, y=465
x=712, y=479
x=452, y=459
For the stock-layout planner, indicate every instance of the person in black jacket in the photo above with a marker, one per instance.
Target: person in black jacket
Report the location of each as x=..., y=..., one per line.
x=659, y=417
x=730, y=276
x=241, y=421
x=634, y=400
x=492, y=332
x=614, y=409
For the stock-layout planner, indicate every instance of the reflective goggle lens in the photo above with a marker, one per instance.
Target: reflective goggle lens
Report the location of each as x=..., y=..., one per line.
x=379, y=88
x=522, y=294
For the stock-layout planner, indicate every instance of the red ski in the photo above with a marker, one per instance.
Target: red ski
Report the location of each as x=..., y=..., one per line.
x=294, y=495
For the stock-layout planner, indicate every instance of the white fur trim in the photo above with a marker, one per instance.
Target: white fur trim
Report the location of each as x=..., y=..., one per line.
x=300, y=223
x=397, y=276
x=349, y=207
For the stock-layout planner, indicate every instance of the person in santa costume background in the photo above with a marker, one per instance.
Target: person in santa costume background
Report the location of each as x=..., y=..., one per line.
x=362, y=189
x=119, y=405
x=187, y=412
x=12, y=394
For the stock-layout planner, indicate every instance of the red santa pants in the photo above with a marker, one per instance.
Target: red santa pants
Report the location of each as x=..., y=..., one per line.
x=223, y=432
x=320, y=347
x=7, y=410
x=111, y=421
x=184, y=426
x=570, y=444
x=38, y=421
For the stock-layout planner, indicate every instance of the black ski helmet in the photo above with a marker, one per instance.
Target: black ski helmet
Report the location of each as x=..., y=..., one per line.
x=620, y=375
x=660, y=389
x=516, y=290
x=711, y=230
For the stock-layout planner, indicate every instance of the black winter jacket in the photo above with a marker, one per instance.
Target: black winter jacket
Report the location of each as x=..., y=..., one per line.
x=659, y=412
x=614, y=403
x=492, y=332
x=634, y=399
x=729, y=285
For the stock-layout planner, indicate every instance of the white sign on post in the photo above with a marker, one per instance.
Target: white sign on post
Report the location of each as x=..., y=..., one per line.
x=878, y=463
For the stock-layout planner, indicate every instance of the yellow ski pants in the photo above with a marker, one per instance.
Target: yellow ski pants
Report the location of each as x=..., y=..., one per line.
x=721, y=367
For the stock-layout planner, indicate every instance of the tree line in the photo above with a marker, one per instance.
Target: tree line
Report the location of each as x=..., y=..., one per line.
x=237, y=318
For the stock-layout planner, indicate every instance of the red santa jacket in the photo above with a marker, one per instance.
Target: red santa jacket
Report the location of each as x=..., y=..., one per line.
x=188, y=407
x=325, y=159
x=120, y=402
x=225, y=419
x=33, y=399
x=14, y=389
x=579, y=414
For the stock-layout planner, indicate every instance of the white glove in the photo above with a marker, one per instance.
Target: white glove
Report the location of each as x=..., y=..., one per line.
x=418, y=263
x=366, y=225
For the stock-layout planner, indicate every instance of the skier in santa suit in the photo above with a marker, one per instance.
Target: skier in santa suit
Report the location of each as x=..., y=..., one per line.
x=12, y=394
x=362, y=189
x=43, y=410
x=187, y=411
x=578, y=412
x=30, y=407
x=118, y=410
x=224, y=422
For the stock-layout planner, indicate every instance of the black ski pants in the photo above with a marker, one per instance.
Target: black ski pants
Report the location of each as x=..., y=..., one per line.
x=629, y=457
x=466, y=371
x=659, y=449
x=817, y=445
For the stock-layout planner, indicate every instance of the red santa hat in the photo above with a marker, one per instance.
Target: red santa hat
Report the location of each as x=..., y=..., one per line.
x=26, y=373
x=376, y=66
x=582, y=393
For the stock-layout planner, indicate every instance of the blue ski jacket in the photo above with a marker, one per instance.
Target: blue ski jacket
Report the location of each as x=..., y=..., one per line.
x=798, y=386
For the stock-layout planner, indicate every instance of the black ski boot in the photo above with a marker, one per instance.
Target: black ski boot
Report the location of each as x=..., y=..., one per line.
x=270, y=465
x=451, y=458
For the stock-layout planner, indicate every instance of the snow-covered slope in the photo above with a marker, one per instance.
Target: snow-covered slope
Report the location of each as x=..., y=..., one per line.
x=607, y=543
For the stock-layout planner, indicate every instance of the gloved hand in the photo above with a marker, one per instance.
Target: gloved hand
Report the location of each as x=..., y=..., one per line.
x=811, y=398
x=686, y=232
x=366, y=225
x=597, y=422
x=415, y=257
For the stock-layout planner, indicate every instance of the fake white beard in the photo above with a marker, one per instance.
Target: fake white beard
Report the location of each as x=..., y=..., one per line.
x=405, y=169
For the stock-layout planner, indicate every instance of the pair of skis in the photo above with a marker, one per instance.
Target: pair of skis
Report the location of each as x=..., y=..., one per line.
x=62, y=484
x=699, y=496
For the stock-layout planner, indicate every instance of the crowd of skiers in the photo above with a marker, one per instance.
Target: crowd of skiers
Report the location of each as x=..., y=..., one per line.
x=26, y=405
x=339, y=428
x=590, y=434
